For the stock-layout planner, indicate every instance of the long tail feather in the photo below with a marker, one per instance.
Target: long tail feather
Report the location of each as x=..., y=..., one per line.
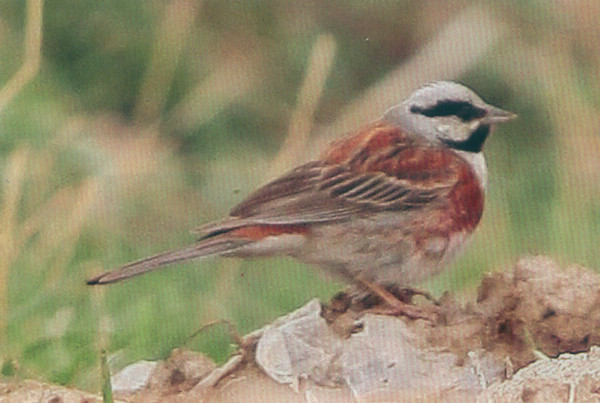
x=208, y=247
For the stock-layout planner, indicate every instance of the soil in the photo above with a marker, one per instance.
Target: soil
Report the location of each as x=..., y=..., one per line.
x=526, y=336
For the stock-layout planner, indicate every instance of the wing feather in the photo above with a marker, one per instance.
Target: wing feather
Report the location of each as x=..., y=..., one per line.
x=377, y=169
x=319, y=193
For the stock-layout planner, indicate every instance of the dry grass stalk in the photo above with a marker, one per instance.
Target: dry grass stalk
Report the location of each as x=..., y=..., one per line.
x=31, y=62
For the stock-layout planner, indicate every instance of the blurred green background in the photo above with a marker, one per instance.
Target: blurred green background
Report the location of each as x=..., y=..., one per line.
x=127, y=123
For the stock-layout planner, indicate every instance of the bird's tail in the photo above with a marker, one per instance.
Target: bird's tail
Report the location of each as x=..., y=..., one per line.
x=217, y=245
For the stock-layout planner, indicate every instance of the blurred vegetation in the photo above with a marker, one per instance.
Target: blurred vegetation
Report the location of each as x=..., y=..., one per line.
x=143, y=119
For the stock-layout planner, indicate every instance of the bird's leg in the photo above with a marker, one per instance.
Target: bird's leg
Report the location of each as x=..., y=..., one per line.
x=396, y=306
x=406, y=294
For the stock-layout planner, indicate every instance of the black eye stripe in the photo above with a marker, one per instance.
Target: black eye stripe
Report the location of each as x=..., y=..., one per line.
x=465, y=111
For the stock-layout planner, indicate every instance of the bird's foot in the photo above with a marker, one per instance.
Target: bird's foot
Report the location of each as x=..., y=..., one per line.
x=398, y=302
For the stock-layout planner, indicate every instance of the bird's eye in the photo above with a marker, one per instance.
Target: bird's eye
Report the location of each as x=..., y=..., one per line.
x=465, y=111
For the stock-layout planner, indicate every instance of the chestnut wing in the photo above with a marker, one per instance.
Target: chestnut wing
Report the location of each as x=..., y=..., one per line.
x=318, y=192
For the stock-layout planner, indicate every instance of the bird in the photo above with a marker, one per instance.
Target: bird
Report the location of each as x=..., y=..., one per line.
x=390, y=204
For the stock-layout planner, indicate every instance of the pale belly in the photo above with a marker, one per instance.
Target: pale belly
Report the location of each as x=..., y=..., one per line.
x=382, y=253
x=386, y=252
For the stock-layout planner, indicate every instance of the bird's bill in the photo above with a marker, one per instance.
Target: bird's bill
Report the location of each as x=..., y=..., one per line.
x=497, y=115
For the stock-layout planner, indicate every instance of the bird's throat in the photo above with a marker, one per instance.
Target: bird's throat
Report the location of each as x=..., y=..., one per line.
x=474, y=143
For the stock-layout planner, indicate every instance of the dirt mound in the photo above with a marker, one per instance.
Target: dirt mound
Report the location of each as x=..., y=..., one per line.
x=503, y=346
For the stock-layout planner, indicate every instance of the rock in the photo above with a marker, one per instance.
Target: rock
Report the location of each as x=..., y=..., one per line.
x=133, y=378
x=181, y=371
x=495, y=349
x=303, y=346
x=570, y=377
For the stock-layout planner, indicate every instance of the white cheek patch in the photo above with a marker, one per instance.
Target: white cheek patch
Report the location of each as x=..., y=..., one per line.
x=444, y=129
x=474, y=125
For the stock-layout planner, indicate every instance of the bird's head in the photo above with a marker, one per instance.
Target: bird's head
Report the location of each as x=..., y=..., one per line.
x=448, y=112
